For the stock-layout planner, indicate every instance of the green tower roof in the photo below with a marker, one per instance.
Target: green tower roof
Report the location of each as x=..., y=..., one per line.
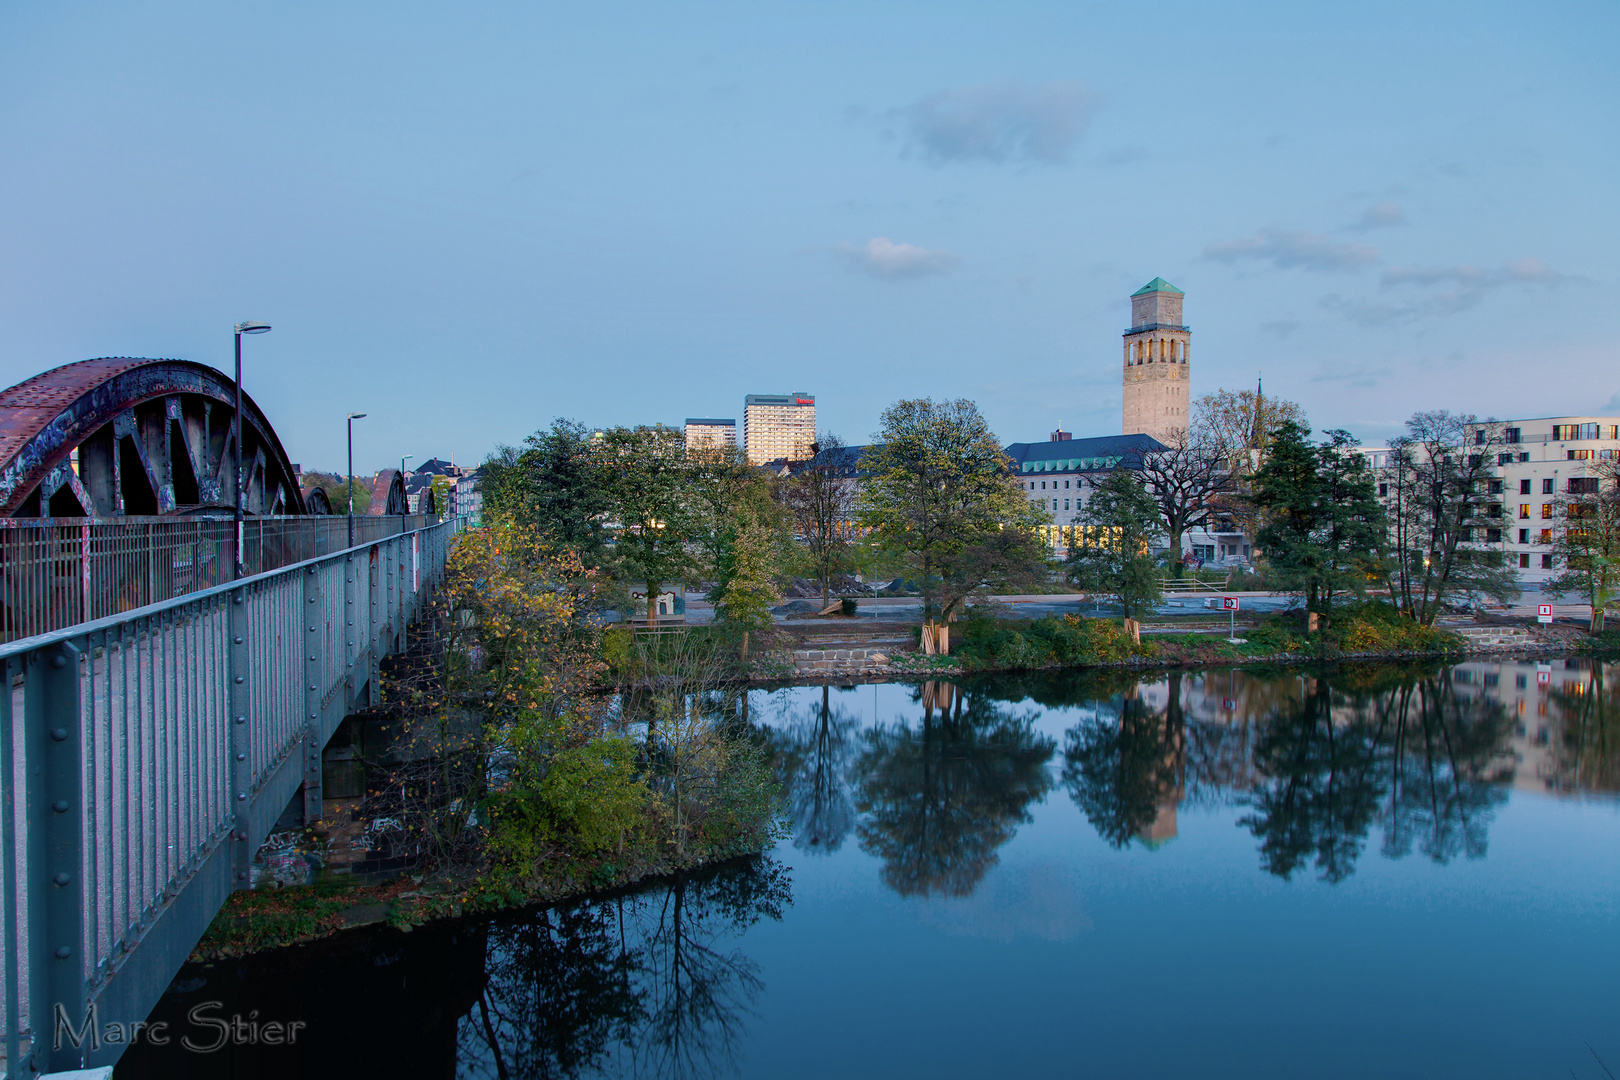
x=1158, y=284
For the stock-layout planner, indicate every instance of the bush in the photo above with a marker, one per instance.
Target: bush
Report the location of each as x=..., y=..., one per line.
x=1071, y=640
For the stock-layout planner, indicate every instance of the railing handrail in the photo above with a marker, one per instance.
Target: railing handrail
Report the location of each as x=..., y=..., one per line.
x=107, y=622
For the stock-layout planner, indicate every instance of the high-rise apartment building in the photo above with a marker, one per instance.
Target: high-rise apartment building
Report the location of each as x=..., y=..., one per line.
x=708, y=431
x=1156, y=348
x=778, y=426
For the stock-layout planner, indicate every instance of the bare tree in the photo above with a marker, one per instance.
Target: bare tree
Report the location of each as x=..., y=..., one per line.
x=1238, y=424
x=820, y=497
x=1586, y=539
x=1438, y=493
x=1188, y=479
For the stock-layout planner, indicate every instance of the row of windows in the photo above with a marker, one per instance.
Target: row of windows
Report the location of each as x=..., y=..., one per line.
x=1042, y=504
x=1560, y=433
x=1054, y=485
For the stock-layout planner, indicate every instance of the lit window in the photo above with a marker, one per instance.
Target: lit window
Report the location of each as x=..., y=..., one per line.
x=1546, y=510
x=1524, y=511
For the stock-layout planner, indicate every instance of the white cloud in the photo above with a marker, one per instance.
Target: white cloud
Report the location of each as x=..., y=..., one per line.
x=884, y=258
x=1382, y=216
x=1002, y=121
x=1438, y=291
x=1291, y=248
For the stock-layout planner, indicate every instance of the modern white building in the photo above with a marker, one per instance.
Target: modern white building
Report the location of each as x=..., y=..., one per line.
x=779, y=427
x=1537, y=461
x=710, y=431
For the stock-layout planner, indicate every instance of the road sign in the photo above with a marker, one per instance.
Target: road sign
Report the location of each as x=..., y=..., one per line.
x=1543, y=678
x=1544, y=613
x=1229, y=603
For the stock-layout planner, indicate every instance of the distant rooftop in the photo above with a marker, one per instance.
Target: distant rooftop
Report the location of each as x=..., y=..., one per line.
x=711, y=421
x=1158, y=284
x=1080, y=455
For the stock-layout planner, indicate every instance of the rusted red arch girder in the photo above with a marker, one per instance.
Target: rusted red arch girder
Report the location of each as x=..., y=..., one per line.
x=155, y=438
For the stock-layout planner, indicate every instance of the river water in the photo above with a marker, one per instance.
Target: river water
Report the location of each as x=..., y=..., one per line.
x=1370, y=872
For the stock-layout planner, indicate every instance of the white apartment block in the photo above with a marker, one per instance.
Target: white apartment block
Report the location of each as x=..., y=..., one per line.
x=778, y=426
x=710, y=431
x=1537, y=461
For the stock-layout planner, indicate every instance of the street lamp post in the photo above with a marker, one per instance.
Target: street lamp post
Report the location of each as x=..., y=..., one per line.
x=405, y=507
x=248, y=327
x=352, y=418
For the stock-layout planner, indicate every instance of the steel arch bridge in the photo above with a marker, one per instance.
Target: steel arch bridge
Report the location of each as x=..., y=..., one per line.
x=125, y=436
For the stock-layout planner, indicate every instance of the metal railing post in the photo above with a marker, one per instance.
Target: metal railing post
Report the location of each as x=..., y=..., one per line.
x=312, y=698
x=241, y=775
x=55, y=810
x=8, y=862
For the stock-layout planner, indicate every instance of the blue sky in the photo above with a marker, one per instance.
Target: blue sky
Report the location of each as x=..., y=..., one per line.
x=467, y=219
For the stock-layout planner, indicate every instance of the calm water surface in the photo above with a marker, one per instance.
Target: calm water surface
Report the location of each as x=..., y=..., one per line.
x=1364, y=873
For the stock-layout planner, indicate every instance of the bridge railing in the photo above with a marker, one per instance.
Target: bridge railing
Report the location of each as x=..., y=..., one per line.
x=59, y=572
x=144, y=758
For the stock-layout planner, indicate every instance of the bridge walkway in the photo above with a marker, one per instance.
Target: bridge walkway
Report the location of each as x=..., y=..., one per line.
x=146, y=755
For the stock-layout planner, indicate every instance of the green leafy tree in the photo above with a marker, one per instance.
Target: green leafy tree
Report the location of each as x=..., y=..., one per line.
x=336, y=487
x=1113, y=553
x=649, y=490
x=942, y=496
x=1323, y=530
x=747, y=587
x=554, y=485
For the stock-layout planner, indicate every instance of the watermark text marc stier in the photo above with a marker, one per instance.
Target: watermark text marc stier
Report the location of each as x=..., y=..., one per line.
x=207, y=1030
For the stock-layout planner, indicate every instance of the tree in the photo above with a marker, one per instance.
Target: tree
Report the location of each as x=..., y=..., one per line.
x=1586, y=540
x=747, y=580
x=1323, y=529
x=1187, y=478
x=1113, y=553
x=649, y=490
x=1238, y=425
x=336, y=487
x=1437, y=494
x=820, y=498
x=552, y=484
x=942, y=495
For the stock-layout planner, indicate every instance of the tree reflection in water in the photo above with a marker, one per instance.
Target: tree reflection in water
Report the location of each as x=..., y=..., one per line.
x=939, y=799
x=1586, y=755
x=1333, y=755
x=813, y=752
x=1126, y=773
x=1410, y=753
x=638, y=985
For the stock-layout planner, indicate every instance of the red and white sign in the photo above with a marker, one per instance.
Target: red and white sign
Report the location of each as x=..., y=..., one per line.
x=1229, y=603
x=1543, y=678
x=1544, y=613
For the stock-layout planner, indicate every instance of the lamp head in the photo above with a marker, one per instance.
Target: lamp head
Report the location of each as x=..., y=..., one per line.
x=251, y=327
x=356, y=415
